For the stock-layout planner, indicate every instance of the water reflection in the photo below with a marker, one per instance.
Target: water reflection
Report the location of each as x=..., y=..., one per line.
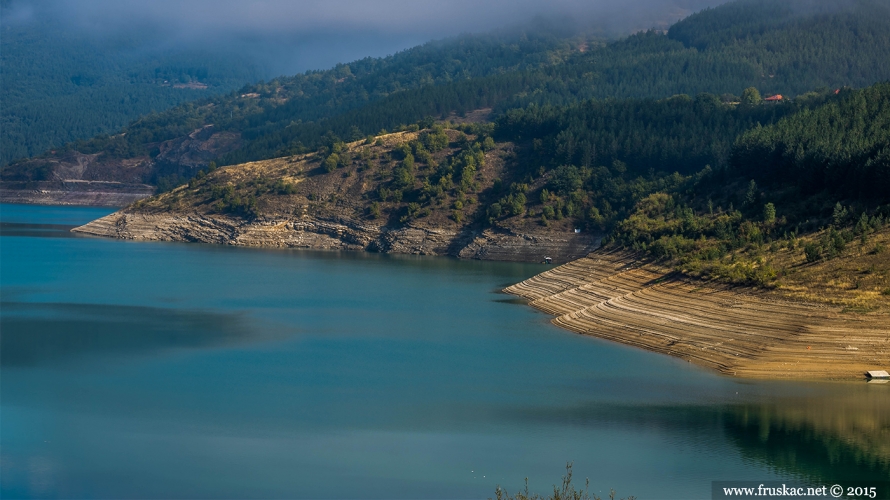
x=37, y=333
x=843, y=435
x=821, y=432
x=37, y=230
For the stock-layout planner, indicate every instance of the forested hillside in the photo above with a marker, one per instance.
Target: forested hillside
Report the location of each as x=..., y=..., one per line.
x=60, y=85
x=809, y=188
x=779, y=49
x=678, y=134
x=736, y=211
x=789, y=48
x=454, y=74
x=843, y=147
x=723, y=214
x=82, y=86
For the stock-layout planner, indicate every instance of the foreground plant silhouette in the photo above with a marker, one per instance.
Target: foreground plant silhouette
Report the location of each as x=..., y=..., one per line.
x=566, y=491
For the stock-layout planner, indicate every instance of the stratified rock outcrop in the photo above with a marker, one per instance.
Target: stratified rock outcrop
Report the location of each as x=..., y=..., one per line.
x=340, y=234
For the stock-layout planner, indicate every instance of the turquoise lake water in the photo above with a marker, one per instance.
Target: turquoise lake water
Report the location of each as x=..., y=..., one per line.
x=162, y=370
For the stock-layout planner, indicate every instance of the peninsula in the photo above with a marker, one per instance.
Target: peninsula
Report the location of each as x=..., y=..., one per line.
x=354, y=198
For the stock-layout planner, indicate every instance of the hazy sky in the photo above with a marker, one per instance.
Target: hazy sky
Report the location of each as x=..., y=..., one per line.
x=312, y=34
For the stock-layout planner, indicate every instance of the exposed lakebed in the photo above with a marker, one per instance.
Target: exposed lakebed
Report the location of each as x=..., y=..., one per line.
x=183, y=370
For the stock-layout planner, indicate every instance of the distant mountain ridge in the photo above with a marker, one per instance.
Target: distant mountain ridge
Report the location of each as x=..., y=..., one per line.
x=788, y=48
x=60, y=84
x=259, y=110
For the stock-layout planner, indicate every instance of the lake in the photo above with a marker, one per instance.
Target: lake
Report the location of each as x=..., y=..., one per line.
x=172, y=370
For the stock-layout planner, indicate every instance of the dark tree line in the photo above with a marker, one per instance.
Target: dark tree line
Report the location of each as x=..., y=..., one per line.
x=843, y=147
x=679, y=134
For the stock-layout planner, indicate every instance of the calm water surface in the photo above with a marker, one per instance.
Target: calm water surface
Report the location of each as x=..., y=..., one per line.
x=156, y=370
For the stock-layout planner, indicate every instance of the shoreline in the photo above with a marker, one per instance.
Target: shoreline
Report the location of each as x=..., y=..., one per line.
x=338, y=233
x=613, y=295
x=737, y=331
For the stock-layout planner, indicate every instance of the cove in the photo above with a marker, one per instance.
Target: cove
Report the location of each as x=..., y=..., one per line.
x=170, y=370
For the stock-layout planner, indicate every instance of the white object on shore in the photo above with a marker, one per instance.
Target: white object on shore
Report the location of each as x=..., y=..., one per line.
x=877, y=374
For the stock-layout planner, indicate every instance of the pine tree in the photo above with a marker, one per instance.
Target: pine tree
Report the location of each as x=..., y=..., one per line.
x=769, y=213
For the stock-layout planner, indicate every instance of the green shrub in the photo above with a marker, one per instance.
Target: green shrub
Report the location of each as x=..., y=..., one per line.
x=282, y=187
x=549, y=213
x=812, y=251
x=331, y=162
x=495, y=210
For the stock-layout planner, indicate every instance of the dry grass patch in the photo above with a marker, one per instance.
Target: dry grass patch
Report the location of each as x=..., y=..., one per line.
x=855, y=280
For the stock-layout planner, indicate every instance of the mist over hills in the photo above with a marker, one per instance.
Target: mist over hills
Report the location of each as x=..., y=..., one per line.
x=59, y=85
x=789, y=48
x=72, y=70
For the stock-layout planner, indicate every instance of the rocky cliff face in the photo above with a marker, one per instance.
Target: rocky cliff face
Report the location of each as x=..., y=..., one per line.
x=342, y=234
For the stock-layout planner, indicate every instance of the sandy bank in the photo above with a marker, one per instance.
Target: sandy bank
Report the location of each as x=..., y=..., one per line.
x=735, y=330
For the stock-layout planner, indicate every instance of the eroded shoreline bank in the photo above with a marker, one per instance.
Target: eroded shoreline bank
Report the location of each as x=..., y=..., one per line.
x=337, y=233
x=737, y=331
